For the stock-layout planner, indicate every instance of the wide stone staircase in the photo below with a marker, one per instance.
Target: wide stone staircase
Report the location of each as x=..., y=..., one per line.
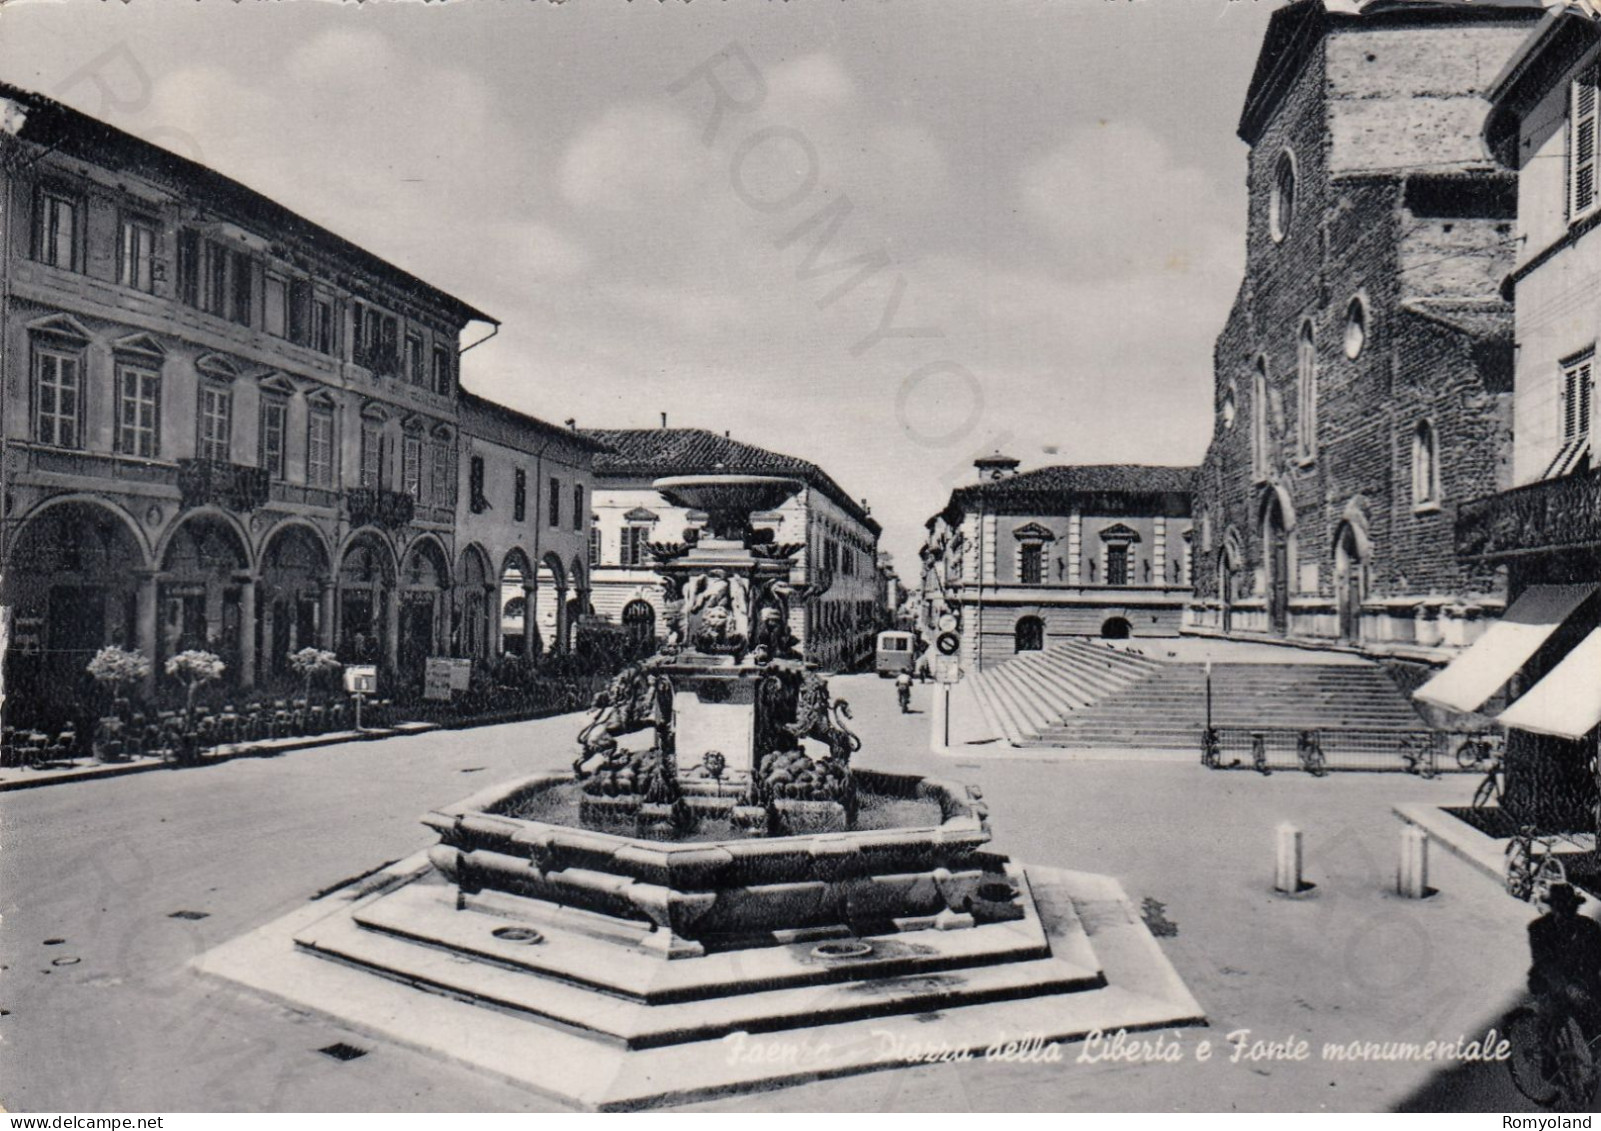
x=1086, y=693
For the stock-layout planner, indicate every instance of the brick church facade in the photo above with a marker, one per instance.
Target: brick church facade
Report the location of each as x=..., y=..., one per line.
x=1363, y=379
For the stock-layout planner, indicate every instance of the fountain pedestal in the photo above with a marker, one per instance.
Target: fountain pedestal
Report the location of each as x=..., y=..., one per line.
x=714, y=874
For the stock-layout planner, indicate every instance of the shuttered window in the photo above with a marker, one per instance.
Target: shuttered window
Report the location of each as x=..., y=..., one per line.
x=1581, y=147
x=1576, y=407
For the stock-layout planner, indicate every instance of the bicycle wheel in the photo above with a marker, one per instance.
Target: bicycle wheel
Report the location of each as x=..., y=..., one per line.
x=1488, y=793
x=1575, y=1076
x=1549, y=871
x=1471, y=754
x=1532, y=1065
x=1519, y=872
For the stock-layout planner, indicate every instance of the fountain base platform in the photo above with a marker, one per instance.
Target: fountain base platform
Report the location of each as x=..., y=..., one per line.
x=579, y=1005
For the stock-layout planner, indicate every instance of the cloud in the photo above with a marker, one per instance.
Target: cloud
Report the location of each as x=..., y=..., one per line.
x=632, y=158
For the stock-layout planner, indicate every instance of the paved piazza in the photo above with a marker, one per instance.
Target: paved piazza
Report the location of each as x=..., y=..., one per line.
x=111, y=1018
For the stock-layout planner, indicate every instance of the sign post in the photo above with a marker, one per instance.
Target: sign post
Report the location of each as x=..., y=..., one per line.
x=360, y=680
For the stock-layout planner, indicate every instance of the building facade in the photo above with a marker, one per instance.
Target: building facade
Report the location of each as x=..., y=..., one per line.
x=1543, y=672
x=225, y=427
x=839, y=538
x=1024, y=559
x=523, y=531
x=1362, y=383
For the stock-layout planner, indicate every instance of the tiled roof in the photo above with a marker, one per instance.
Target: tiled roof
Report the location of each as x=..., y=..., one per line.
x=1480, y=319
x=1106, y=478
x=471, y=401
x=659, y=452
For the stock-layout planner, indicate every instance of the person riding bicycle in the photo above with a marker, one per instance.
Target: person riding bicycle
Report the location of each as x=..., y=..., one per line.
x=1565, y=950
x=903, y=691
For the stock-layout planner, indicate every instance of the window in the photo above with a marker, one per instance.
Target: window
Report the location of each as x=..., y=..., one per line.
x=322, y=326
x=1356, y=328
x=475, y=486
x=1581, y=147
x=1117, y=564
x=138, y=410
x=442, y=371
x=216, y=423
x=216, y=296
x=1281, y=206
x=578, y=506
x=1425, y=466
x=444, y=488
x=372, y=454
x=57, y=385
x=633, y=550
x=1030, y=565
x=411, y=466
x=1306, y=394
x=1230, y=406
x=189, y=267
x=55, y=230
x=136, y=253
x=414, y=362
x=519, y=496
x=1577, y=405
x=1259, y=456
x=275, y=316
x=594, y=542
x=554, y=519
x=300, y=312
x=274, y=433
x=244, y=276
x=320, y=448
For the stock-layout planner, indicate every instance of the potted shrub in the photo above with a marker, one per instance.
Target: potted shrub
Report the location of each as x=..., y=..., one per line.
x=116, y=670
x=311, y=663
x=194, y=669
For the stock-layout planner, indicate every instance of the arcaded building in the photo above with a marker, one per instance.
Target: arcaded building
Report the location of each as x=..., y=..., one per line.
x=1363, y=381
x=226, y=427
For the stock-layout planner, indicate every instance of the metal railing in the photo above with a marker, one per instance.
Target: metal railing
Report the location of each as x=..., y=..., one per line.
x=1318, y=751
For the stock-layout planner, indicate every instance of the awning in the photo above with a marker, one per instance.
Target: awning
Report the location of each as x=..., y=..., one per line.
x=1470, y=679
x=1567, y=702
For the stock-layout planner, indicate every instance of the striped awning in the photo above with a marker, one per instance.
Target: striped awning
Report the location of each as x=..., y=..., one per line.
x=1567, y=702
x=1470, y=679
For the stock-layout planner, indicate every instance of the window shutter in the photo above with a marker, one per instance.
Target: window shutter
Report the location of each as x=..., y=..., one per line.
x=1582, y=147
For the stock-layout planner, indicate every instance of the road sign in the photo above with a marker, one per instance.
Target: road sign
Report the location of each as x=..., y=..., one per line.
x=947, y=622
x=361, y=679
x=948, y=643
x=947, y=669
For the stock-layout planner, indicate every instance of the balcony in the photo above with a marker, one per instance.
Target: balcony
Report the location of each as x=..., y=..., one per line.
x=95, y=465
x=378, y=507
x=300, y=494
x=1553, y=514
x=379, y=360
x=216, y=482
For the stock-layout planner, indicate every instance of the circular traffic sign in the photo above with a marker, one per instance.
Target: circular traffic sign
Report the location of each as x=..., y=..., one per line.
x=948, y=643
x=947, y=622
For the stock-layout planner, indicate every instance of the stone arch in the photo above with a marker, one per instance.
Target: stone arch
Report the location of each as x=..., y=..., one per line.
x=77, y=577
x=1353, y=558
x=1276, y=525
x=551, y=620
x=1116, y=628
x=423, y=591
x=294, y=600
x=206, y=591
x=477, y=585
x=365, y=580
x=200, y=514
x=639, y=621
x=517, y=601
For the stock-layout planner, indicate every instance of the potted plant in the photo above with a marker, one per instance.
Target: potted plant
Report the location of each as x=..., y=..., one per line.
x=193, y=669
x=115, y=669
x=311, y=663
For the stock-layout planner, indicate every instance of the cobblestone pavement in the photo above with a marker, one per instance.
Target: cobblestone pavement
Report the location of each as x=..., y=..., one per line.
x=109, y=1018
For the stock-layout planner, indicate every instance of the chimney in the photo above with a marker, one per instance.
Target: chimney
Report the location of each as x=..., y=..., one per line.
x=664, y=420
x=572, y=424
x=995, y=466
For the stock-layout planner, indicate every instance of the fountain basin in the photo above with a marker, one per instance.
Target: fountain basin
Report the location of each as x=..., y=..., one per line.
x=735, y=891
x=723, y=494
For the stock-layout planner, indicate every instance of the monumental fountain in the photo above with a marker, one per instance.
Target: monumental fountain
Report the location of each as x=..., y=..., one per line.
x=719, y=894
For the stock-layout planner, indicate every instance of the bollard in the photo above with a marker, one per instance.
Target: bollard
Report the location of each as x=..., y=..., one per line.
x=1412, y=876
x=1287, y=877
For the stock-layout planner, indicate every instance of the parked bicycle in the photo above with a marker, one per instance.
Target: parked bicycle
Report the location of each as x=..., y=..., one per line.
x=1419, y=758
x=1310, y=751
x=1477, y=750
x=1532, y=865
x=1554, y=1061
x=1259, y=754
x=1488, y=794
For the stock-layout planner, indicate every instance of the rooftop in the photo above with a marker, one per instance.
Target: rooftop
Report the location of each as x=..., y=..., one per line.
x=61, y=129
x=659, y=452
x=1049, y=489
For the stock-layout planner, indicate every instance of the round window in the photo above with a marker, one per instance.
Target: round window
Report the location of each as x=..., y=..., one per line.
x=1356, y=327
x=1281, y=209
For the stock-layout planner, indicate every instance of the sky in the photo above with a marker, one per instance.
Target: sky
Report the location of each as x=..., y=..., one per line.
x=883, y=236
